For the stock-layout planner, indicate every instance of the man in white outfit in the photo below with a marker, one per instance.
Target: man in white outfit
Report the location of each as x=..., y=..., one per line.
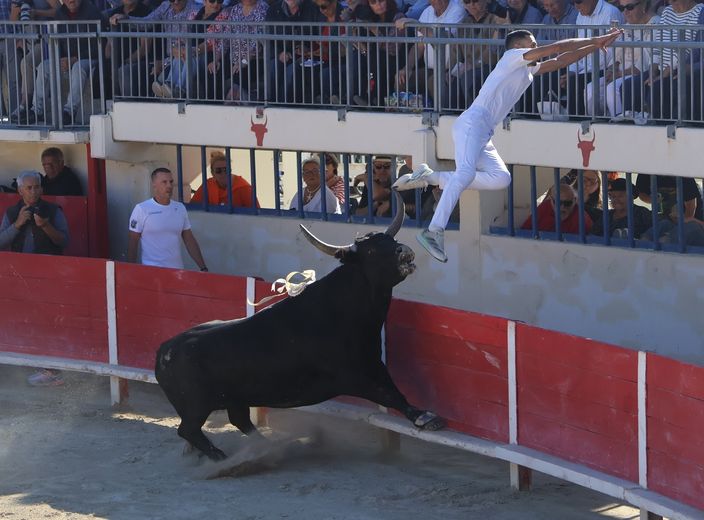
x=478, y=165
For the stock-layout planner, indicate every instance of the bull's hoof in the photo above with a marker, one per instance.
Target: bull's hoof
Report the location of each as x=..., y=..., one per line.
x=429, y=421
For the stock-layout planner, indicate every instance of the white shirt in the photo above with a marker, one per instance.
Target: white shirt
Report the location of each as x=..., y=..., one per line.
x=161, y=227
x=453, y=14
x=315, y=204
x=506, y=84
x=604, y=13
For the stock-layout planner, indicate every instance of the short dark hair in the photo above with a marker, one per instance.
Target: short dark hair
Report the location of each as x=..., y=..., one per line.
x=160, y=170
x=514, y=36
x=53, y=152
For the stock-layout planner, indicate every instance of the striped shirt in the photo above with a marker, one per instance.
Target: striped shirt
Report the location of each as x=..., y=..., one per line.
x=668, y=57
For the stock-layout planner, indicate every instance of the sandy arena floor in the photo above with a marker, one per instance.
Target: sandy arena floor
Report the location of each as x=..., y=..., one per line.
x=65, y=454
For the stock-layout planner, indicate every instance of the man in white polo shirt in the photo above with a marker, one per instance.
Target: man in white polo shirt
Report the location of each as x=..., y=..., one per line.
x=477, y=164
x=159, y=224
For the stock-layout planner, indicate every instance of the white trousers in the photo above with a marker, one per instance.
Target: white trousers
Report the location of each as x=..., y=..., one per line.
x=477, y=164
x=610, y=91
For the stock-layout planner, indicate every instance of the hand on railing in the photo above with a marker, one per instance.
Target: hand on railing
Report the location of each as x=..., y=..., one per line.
x=115, y=19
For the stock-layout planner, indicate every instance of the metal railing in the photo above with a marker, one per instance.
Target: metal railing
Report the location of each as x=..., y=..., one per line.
x=439, y=68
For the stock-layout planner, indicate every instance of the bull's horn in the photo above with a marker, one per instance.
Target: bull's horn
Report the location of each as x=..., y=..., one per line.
x=328, y=249
x=397, y=222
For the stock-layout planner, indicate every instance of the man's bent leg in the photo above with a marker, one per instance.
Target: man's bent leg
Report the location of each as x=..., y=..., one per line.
x=492, y=173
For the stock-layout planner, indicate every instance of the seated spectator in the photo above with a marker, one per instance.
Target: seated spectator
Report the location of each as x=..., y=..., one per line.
x=667, y=194
x=78, y=57
x=217, y=185
x=667, y=231
x=335, y=182
x=592, y=193
x=659, y=84
x=427, y=200
x=58, y=178
x=569, y=212
x=311, y=198
x=521, y=12
x=381, y=188
x=471, y=63
x=628, y=61
x=129, y=55
x=241, y=71
x=377, y=61
x=618, y=214
x=34, y=225
x=210, y=86
x=418, y=73
x=559, y=12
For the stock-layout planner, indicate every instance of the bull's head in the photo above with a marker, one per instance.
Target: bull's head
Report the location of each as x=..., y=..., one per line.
x=389, y=260
x=259, y=130
x=586, y=147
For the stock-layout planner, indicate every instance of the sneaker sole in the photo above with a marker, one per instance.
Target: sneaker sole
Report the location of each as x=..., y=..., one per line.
x=423, y=242
x=406, y=183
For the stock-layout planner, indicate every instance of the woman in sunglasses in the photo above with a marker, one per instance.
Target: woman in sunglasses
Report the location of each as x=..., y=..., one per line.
x=569, y=212
x=628, y=62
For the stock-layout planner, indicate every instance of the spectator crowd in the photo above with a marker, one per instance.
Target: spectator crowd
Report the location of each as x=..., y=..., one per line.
x=224, y=50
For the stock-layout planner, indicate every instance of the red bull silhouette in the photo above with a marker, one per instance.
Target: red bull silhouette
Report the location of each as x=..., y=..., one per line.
x=259, y=130
x=586, y=147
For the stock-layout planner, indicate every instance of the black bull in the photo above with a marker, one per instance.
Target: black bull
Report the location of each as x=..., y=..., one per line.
x=321, y=344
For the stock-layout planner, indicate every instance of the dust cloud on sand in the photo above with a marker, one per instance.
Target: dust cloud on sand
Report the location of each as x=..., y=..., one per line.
x=65, y=454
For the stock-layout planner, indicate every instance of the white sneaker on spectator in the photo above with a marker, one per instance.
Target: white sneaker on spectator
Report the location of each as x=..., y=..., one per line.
x=166, y=91
x=156, y=88
x=641, y=118
x=434, y=243
x=46, y=377
x=420, y=178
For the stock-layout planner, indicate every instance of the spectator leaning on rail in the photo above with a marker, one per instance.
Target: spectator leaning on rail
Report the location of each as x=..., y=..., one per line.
x=573, y=82
x=569, y=212
x=159, y=224
x=628, y=61
x=417, y=74
x=78, y=57
x=618, y=214
x=382, y=167
x=311, y=198
x=217, y=185
x=34, y=225
x=58, y=178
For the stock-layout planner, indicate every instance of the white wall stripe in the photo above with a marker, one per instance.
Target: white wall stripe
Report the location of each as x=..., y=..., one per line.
x=512, y=398
x=112, y=328
x=251, y=295
x=642, y=421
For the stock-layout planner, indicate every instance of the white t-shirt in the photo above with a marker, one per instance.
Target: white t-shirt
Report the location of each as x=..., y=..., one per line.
x=160, y=227
x=506, y=84
x=604, y=13
x=453, y=14
x=315, y=204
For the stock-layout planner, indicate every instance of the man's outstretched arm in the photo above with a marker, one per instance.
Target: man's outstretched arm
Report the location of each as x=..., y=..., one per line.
x=565, y=59
x=571, y=45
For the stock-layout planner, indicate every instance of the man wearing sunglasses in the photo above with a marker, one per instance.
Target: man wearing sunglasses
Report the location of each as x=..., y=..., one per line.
x=569, y=218
x=478, y=165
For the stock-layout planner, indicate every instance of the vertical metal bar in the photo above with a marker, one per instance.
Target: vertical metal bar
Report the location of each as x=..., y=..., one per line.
x=322, y=190
x=370, y=188
x=511, y=230
x=558, y=203
x=679, y=201
x=392, y=199
x=580, y=198
x=655, y=206
x=253, y=177
x=179, y=170
x=605, y=207
x=629, y=210
x=533, y=203
x=346, y=178
x=228, y=165
x=299, y=181
x=204, y=177
x=277, y=182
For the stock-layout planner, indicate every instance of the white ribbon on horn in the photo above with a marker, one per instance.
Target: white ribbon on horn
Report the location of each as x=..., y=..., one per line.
x=287, y=286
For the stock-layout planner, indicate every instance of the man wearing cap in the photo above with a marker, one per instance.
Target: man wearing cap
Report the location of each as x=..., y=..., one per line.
x=618, y=215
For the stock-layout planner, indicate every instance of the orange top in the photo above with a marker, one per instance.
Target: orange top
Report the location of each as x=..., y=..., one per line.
x=241, y=193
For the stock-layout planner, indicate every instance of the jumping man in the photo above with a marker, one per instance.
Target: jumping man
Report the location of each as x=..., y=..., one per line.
x=478, y=165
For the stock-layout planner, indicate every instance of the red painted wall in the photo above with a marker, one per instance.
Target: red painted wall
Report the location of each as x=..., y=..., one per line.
x=451, y=362
x=675, y=419
x=53, y=306
x=578, y=400
x=154, y=304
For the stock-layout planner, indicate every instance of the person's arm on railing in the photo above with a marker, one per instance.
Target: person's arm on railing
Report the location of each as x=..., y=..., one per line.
x=573, y=44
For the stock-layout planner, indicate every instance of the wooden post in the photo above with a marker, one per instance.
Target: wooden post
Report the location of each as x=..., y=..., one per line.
x=521, y=477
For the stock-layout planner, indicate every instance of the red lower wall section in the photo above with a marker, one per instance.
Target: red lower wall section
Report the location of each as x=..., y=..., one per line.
x=451, y=362
x=53, y=306
x=675, y=419
x=578, y=400
x=154, y=304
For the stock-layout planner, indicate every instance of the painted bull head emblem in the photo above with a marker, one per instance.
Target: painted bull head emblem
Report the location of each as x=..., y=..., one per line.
x=259, y=130
x=586, y=147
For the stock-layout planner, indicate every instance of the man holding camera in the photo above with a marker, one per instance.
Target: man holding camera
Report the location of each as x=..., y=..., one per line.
x=33, y=225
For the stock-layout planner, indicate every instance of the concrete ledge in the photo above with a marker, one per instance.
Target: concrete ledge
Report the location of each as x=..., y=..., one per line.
x=31, y=135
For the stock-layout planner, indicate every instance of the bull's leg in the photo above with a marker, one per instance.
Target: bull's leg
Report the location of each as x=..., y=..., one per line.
x=380, y=389
x=239, y=417
x=190, y=429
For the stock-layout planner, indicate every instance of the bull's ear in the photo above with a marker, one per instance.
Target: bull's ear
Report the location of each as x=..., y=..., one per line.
x=326, y=248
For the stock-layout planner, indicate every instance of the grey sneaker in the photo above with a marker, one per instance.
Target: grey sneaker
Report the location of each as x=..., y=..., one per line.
x=434, y=243
x=420, y=178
